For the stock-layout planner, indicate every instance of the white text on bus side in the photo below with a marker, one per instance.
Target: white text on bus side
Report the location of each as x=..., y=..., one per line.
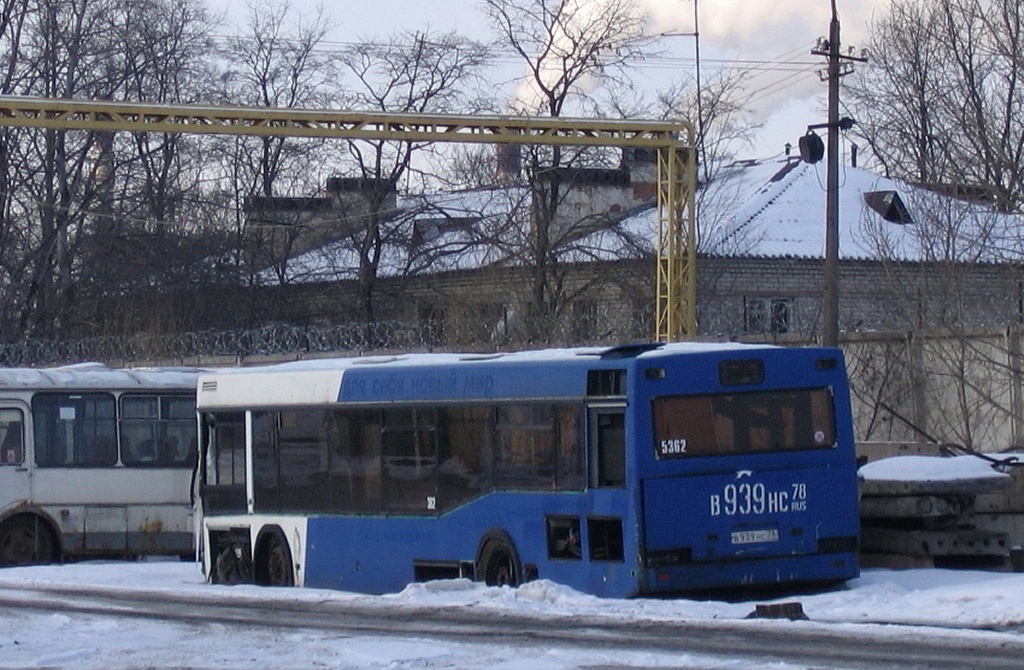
x=741, y=499
x=672, y=447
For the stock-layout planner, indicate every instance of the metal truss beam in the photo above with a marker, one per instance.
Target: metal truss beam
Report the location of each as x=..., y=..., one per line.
x=675, y=316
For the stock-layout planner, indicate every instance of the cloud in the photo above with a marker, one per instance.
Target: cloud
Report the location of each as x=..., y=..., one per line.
x=761, y=27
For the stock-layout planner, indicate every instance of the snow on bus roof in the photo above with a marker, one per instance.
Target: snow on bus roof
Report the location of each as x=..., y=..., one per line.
x=423, y=376
x=536, y=355
x=97, y=376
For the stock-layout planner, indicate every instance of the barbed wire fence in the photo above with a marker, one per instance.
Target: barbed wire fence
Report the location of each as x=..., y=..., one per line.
x=277, y=341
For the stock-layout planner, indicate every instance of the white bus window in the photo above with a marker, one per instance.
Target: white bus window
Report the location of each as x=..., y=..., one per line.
x=157, y=430
x=74, y=429
x=12, y=437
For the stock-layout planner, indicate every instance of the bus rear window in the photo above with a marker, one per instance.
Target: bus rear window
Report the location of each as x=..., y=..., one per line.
x=743, y=423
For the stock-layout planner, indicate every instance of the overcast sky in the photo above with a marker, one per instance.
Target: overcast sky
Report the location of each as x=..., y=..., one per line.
x=770, y=39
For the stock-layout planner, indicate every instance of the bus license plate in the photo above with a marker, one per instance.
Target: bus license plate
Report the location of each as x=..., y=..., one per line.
x=753, y=536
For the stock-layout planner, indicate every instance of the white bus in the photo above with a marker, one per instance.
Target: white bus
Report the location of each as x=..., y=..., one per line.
x=96, y=461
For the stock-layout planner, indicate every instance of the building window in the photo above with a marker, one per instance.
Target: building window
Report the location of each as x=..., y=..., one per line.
x=767, y=315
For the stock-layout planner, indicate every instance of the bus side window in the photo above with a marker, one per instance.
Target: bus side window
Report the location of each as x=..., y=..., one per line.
x=12, y=447
x=74, y=429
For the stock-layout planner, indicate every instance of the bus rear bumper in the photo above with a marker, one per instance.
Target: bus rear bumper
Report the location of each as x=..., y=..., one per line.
x=761, y=572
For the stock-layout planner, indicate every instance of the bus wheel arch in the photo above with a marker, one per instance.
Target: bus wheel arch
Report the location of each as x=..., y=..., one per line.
x=28, y=538
x=497, y=561
x=272, y=559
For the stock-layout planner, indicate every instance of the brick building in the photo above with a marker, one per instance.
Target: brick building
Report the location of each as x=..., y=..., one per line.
x=464, y=265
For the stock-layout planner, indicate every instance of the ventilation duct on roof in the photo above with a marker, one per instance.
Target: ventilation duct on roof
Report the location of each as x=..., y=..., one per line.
x=889, y=205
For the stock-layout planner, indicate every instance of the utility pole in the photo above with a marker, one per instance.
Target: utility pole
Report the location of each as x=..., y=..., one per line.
x=838, y=66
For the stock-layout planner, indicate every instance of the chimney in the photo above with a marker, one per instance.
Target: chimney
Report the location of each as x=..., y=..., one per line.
x=509, y=162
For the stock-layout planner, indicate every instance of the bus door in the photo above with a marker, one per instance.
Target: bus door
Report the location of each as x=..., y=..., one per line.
x=608, y=500
x=15, y=482
x=223, y=487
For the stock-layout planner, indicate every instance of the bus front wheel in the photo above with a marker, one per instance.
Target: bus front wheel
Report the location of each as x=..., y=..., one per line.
x=274, y=566
x=498, y=564
x=26, y=541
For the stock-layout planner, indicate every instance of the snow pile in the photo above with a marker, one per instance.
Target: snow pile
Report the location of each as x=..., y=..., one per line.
x=930, y=468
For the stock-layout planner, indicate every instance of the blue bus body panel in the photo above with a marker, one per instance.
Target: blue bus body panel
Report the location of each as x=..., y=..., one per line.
x=733, y=519
x=337, y=555
x=746, y=514
x=823, y=568
x=485, y=379
x=750, y=518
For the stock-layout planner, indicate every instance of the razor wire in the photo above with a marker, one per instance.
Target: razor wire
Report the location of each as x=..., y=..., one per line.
x=276, y=340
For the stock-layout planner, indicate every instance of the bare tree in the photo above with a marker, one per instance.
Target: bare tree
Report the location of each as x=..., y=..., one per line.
x=418, y=73
x=939, y=103
x=568, y=47
x=279, y=62
x=143, y=219
x=67, y=49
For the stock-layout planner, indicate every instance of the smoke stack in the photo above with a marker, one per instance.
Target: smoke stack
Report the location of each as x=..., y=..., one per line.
x=509, y=162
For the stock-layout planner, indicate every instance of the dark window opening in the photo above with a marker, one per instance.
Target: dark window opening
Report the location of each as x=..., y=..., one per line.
x=75, y=429
x=424, y=460
x=606, y=383
x=355, y=467
x=605, y=539
x=12, y=437
x=525, y=447
x=224, y=489
x=158, y=430
x=741, y=372
x=608, y=447
x=742, y=423
x=409, y=441
x=302, y=443
x=767, y=315
x=564, y=537
x=889, y=205
x=465, y=454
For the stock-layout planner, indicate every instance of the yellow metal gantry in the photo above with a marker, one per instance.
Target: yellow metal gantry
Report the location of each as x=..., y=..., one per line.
x=675, y=303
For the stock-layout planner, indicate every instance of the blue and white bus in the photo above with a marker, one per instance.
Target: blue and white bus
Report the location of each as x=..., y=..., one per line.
x=628, y=471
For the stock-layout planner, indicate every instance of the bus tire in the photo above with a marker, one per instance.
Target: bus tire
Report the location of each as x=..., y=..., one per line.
x=274, y=565
x=26, y=540
x=498, y=564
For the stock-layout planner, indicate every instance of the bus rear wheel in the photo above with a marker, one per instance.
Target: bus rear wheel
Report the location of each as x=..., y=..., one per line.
x=26, y=541
x=498, y=564
x=274, y=564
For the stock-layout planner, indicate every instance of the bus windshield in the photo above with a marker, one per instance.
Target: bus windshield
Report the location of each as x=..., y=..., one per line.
x=743, y=423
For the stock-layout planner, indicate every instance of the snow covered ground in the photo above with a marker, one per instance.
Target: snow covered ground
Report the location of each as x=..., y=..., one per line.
x=968, y=600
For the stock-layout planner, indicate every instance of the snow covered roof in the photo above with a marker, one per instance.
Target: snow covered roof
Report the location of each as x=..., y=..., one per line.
x=98, y=376
x=762, y=209
x=781, y=214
